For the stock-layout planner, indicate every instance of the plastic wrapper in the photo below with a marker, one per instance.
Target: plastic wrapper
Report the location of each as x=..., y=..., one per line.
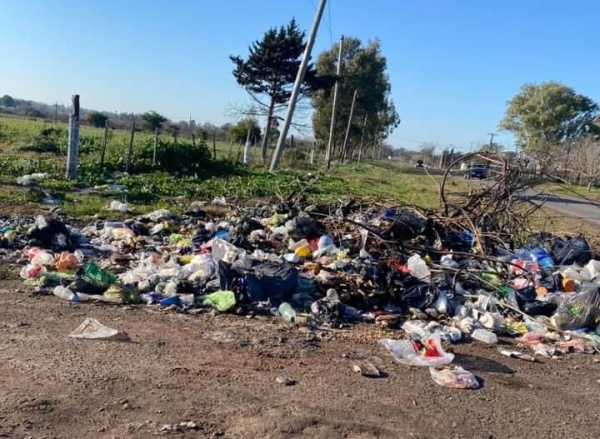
x=32, y=271
x=93, y=329
x=428, y=352
x=222, y=300
x=454, y=377
x=579, y=310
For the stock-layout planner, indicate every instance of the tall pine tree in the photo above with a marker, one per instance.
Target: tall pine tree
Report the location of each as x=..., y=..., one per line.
x=269, y=72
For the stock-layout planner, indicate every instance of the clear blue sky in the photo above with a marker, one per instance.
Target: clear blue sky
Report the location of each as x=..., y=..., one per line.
x=453, y=64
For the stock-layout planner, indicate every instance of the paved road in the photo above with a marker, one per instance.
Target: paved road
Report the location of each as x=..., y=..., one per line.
x=567, y=205
x=564, y=204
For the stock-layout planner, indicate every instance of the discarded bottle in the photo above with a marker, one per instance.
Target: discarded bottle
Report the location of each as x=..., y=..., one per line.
x=65, y=293
x=544, y=260
x=418, y=268
x=287, y=312
x=484, y=336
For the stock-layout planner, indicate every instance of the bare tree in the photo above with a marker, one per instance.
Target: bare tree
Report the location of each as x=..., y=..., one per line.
x=585, y=160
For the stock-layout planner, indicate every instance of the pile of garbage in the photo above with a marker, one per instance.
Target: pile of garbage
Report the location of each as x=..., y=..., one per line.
x=324, y=265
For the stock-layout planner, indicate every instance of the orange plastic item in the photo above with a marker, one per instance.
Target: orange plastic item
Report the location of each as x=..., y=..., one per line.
x=66, y=261
x=541, y=291
x=567, y=285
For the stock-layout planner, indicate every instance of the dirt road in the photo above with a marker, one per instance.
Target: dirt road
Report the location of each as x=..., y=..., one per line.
x=219, y=372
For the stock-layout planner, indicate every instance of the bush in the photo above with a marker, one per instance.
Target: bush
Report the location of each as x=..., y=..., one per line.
x=48, y=140
x=181, y=158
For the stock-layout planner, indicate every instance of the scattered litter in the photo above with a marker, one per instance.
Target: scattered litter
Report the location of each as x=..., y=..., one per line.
x=454, y=377
x=428, y=352
x=367, y=370
x=93, y=329
x=285, y=381
x=27, y=180
x=517, y=354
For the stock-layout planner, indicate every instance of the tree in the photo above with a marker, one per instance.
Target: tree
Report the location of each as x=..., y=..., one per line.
x=96, y=119
x=239, y=131
x=7, y=101
x=585, y=160
x=493, y=148
x=153, y=121
x=270, y=70
x=173, y=129
x=547, y=114
x=364, y=68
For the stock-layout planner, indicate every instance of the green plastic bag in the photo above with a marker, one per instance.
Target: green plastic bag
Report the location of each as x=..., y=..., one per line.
x=221, y=300
x=98, y=277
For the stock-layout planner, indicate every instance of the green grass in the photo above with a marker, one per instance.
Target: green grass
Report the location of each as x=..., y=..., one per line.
x=572, y=190
x=151, y=188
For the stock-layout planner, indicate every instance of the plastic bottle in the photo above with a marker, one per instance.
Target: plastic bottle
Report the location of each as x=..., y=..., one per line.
x=287, y=312
x=484, y=336
x=418, y=268
x=544, y=260
x=65, y=293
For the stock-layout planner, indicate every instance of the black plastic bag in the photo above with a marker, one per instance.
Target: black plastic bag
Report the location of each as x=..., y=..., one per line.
x=306, y=228
x=50, y=233
x=405, y=225
x=257, y=281
x=539, y=308
x=573, y=250
x=419, y=296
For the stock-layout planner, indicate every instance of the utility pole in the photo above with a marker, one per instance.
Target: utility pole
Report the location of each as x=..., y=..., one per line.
x=492, y=135
x=104, y=143
x=344, y=150
x=155, y=146
x=297, y=84
x=55, y=112
x=362, y=140
x=72, y=152
x=130, y=148
x=338, y=73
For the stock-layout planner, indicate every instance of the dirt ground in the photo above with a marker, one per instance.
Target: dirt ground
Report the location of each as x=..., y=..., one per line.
x=219, y=372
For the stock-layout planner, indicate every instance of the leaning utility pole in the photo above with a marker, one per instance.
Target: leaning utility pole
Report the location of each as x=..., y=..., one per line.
x=344, y=150
x=338, y=73
x=297, y=85
x=72, y=152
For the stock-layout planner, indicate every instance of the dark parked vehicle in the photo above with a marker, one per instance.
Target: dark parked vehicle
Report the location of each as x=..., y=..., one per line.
x=476, y=171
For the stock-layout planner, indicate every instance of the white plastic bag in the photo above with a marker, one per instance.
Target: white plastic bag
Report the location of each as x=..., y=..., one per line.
x=428, y=352
x=93, y=329
x=454, y=377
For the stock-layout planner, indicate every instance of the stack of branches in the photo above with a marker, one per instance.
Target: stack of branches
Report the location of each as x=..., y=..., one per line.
x=499, y=213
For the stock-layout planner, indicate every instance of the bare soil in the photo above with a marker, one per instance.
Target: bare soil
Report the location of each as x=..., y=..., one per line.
x=220, y=371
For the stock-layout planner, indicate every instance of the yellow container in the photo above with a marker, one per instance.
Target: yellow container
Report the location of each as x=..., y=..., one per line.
x=303, y=252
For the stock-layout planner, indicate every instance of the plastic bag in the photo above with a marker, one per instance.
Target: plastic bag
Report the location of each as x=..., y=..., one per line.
x=454, y=377
x=579, y=310
x=68, y=261
x=43, y=258
x=429, y=352
x=98, y=276
x=224, y=251
x=93, y=329
x=419, y=296
x=221, y=300
x=31, y=271
x=574, y=250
